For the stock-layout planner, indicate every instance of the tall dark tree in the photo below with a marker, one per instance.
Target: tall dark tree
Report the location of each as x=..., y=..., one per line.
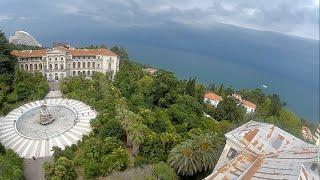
x=191, y=87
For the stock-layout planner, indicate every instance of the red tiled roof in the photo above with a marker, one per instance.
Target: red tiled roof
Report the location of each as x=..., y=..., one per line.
x=212, y=96
x=73, y=52
x=91, y=52
x=29, y=53
x=248, y=104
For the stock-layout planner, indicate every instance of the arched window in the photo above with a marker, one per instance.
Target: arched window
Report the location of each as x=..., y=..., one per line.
x=26, y=67
x=36, y=66
x=56, y=76
x=79, y=73
x=88, y=73
x=98, y=65
x=50, y=66
x=93, y=64
x=21, y=67
x=31, y=67
x=40, y=66
x=79, y=65
x=55, y=66
x=61, y=66
x=88, y=64
x=74, y=73
x=84, y=72
x=83, y=64
x=74, y=65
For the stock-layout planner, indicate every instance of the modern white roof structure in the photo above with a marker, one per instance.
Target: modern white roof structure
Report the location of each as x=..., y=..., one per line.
x=258, y=150
x=21, y=132
x=23, y=37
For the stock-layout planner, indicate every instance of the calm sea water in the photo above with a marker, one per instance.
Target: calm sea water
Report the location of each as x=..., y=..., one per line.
x=242, y=59
x=237, y=57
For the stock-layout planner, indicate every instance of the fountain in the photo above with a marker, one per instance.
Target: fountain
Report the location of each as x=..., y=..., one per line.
x=45, y=116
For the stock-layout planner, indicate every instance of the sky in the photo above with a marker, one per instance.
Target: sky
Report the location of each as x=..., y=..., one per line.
x=297, y=18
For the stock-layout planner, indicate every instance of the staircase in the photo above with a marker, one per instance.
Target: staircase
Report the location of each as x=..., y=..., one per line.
x=28, y=147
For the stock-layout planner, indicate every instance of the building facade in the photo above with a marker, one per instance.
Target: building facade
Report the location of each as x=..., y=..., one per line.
x=60, y=62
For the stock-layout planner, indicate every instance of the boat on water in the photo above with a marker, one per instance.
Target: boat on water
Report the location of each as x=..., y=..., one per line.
x=264, y=86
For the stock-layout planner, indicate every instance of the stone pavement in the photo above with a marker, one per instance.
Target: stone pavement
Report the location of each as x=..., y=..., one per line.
x=33, y=169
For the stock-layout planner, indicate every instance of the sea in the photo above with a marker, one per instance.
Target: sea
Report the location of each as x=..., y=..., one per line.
x=237, y=57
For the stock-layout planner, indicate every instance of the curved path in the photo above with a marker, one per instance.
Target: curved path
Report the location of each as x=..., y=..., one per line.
x=28, y=147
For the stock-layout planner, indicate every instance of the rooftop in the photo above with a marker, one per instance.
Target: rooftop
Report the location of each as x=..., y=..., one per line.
x=264, y=151
x=248, y=104
x=212, y=96
x=72, y=51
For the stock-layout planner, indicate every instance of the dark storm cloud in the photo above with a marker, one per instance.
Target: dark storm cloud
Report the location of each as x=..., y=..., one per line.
x=299, y=17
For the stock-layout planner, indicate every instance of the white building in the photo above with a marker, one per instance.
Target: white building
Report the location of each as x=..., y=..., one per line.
x=263, y=151
x=212, y=98
x=249, y=106
x=60, y=62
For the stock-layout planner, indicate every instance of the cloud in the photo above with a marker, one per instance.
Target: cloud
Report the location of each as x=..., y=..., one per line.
x=299, y=17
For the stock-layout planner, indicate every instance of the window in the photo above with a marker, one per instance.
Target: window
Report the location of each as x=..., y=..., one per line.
x=84, y=73
x=50, y=60
x=83, y=64
x=26, y=67
x=40, y=66
x=21, y=67
x=50, y=66
x=88, y=64
x=79, y=65
x=232, y=153
x=93, y=64
x=61, y=66
x=55, y=66
x=88, y=73
x=61, y=58
x=73, y=73
x=98, y=65
x=44, y=58
x=35, y=66
x=94, y=57
x=55, y=58
x=31, y=67
x=88, y=57
x=79, y=73
x=74, y=65
x=40, y=58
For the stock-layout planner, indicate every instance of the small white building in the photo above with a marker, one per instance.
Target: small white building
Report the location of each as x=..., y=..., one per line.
x=212, y=98
x=249, y=106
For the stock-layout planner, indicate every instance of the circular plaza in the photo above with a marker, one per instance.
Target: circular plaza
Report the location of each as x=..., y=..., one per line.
x=33, y=129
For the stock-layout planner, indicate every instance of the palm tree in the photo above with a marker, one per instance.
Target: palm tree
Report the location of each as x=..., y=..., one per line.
x=184, y=158
x=195, y=155
x=136, y=137
x=208, y=148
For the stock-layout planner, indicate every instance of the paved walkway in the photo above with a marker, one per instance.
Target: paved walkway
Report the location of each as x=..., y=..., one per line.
x=33, y=169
